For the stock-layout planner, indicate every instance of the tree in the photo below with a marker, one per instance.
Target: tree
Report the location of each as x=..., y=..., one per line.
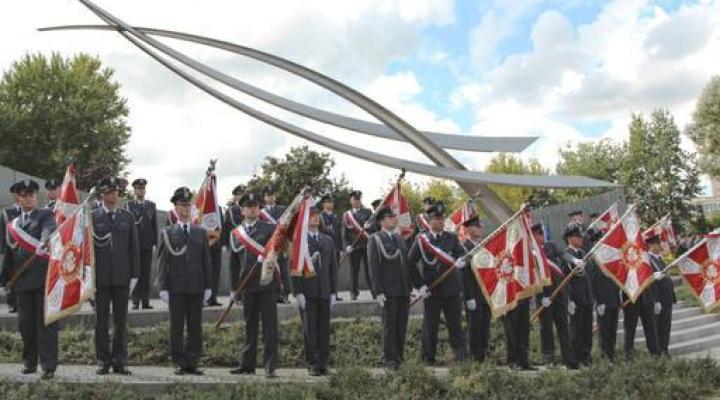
x=52, y=110
x=515, y=196
x=658, y=175
x=301, y=166
x=600, y=160
x=705, y=128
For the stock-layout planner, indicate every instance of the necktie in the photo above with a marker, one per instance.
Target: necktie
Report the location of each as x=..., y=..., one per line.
x=24, y=218
x=185, y=228
x=111, y=214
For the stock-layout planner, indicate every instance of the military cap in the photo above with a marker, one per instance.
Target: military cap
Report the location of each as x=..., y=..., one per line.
x=375, y=203
x=181, y=194
x=51, y=184
x=139, y=182
x=249, y=200
x=25, y=186
x=429, y=200
x=538, y=228
x=574, y=213
x=436, y=210
x=474, y=221
x=325, y=198
x=238, y=190
x=108, y=183
x=594, y=215
x=13, y=188
x=268, y=190
x=384, y=212
x=652, y=237
x=572, y=230
x=355, y=194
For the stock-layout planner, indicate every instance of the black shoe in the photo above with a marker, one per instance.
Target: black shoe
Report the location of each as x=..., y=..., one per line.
x=338, y=298
x=147, y=306
x=353, y=296
x=102, y=371
x=314, y=372
x=193, y=371
x=179, y=371
x=242, y=371
x=270, y=374
x=121, y=371
x=214, y=303
x=573, y=366
x=528, y=367
x=136, y=306
x=13, y=310
x=28, y=370
x=48, y=375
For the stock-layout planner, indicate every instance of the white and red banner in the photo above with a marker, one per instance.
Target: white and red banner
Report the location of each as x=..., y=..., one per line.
x=700, y=266
x=68, y=199
x=622, y=256
x=456, y=220
x=503, y=267
x=397, y=202
x=665, y=231
x=301, y=260
x=23, y=239
x=606, y=220
x=70, y=278
x=206, y=204
x=540, y=265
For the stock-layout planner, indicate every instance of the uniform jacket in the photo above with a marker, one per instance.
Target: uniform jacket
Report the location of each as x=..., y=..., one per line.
x=390, y=269
x=580, y=287
x=145, y=215
x=40, y=225
x=348, y=233
x=185, y=271
x=324, y=283
x=117, y=252
x=261, y=233
x=428, y=272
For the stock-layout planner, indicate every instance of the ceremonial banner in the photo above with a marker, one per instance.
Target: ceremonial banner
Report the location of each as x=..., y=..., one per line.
x=68, y=199
x=422, y=223
x=665, y=231
x=502, y=265
x=606, y=219
x=206, y=213
x=700, y=266
x=540, y=265
x=70, y=278
x=456, y=220
x=622, y=256
x=397, y=202
x=301, y=261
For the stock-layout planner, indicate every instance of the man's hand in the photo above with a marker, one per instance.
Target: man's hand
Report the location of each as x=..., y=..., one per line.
x=41, y=251
x=571, y=307
x=3, y=291
x=165, y=296
x=657, y=275
x=471, y=304
x=349, y=249
x=333, y=300
x=460, y=263
x=206, y=295
x=424, y=292
x=381, y=300
x=133, y=283
x=657, y=308
x=546, y=302
x=300, y=300
x=579, y=264
x=600, y=309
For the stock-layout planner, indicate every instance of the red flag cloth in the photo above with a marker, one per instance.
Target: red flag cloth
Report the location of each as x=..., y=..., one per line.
x=606, y=220
x=622, y=256
x=206, y=210
x=301, y=261
x=665, y=231
x=70, y=278
x=502, y=266
x=397, y=202
x=68, y=198
x=700, y=266
x=456, y=220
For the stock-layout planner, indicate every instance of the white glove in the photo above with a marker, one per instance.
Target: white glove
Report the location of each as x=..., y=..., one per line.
x=40, y=251
x=3, y=291
x=424, y=292
x=657, y=275
x=133, y=283
x=380, y=300
x=367, y=225
x=165, y=296
x=571, y=307
x=600, y=309
x=460, y=263
x=300, y=299
x=546, y=302
x=657, y=308
x=579, y=264
x=333, y=300
x=414, y=293
x=471, y=304
x=206, y=295
x=349, y=249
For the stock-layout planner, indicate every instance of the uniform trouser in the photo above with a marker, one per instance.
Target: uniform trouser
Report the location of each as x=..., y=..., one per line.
x=186, y=313
x=581, y=326
x=284, y=268
x=215, y=260
x=607, y=327
x=451, y=308
x=556, y=315
x=316, y=332
x=37, y=338
x=234, y=270
x=356, y=257
x=516, y=325
x=478, y=322
x=631, y=313
x=11, y=298
x=142, y=290
x=395, y=315
x=255, y=304
x=664, y=325
x=117, y=355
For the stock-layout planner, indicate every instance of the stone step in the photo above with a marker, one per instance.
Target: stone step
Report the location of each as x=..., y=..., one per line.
x=679, y=323
x=695, y=345
x=689, y=334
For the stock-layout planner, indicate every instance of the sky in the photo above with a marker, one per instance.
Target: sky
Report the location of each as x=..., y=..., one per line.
x=564, y=70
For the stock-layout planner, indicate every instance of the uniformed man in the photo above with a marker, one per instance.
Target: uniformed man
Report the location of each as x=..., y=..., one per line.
x=184, y=280
x=664, y=293
x=9, y=214
x=51, y=186
x=375, y=203
x=316, y=294
x=421, y=220
x=271, y=212
x=145, y=214
x=447, y=297
x=331, y=225
x=608, y=299
x=233, y=218
x=354, y=238
x=645, y=308
x=392, y=280
x=259, y=301
x=38, y=339
x=476, y=307
x=580, y=306
x=117, y=268
x=555, y=312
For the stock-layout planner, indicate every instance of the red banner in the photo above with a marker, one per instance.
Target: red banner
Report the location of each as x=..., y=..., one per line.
x=664, y=229
x=700, y=267
x=302, y=264
x=68, y=198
